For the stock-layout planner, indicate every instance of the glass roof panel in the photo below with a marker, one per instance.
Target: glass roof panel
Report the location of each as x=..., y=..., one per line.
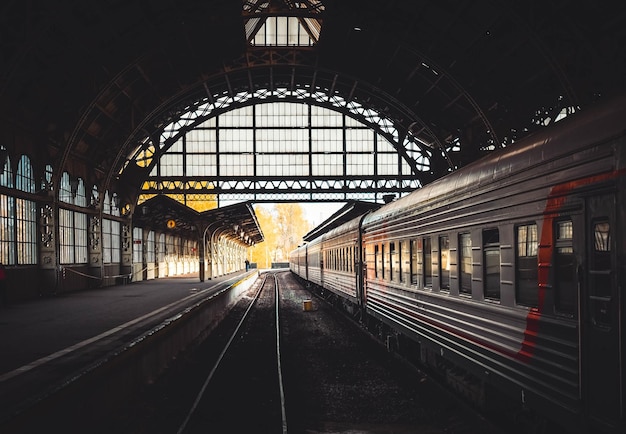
x=283, y=23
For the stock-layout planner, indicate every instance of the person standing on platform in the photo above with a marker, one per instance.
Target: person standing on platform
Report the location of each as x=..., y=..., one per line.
x=247, y=265
x=3, y=286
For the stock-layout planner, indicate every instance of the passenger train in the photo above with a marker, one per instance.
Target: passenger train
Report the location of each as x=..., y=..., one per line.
x=506, y=276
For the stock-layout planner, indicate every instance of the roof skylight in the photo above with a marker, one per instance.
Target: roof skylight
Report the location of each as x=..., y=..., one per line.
x=282, y=23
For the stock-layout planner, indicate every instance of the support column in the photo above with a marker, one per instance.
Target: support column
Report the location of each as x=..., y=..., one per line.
x=201, y=253
x=48, y=257
x=95, y=248
x=212, y=256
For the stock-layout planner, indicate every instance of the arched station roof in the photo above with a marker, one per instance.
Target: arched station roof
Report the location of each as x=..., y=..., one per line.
x=82, y=82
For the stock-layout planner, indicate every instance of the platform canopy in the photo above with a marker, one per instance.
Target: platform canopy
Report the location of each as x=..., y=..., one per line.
x=235, y=222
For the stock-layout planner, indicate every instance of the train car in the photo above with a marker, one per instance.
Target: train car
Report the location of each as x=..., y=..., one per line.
x=297, y=261
x=507, y=274
x=341, y=258
x=511, y=269
x=314, y=262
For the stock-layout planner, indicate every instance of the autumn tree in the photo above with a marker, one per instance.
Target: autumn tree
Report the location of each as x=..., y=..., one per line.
x=283, y=227
x=291, y=227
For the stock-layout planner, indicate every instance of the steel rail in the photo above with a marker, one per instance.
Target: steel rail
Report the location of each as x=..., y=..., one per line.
x=280, y=373
x=200, y=394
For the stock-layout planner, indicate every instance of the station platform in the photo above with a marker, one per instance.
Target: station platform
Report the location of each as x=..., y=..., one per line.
x=47, y=343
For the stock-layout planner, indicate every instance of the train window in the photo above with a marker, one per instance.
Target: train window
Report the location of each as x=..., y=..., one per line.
x=413, y=262
x=399, y=268
x=342, y=259
x=376, y=261
x=600, y=274
x=491, y=259
x=526, y=265
x=337, y=259
x=428, y=262
x=382, y=261
x=392, y=256
x=405, y=260
x=444, y=263
x=342, y=253
x=465, y=259
x=349, y=261
x=565, y=283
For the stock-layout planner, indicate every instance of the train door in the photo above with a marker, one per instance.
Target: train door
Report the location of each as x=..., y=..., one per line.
x=600, y=313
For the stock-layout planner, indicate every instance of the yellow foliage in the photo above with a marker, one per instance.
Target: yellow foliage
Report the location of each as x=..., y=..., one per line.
x=283, y=227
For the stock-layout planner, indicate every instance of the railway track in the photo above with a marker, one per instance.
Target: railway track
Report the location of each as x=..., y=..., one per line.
x=243, y=391
x=336, y=379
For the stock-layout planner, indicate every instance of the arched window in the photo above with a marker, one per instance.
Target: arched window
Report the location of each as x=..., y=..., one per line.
x=46, y=182
x=65, y=189
x=6, y=174
x=302, y=149
x=25, y=180
x=81, y=194
x=72, y=224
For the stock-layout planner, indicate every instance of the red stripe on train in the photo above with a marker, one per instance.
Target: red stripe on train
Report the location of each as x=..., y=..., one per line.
x=556, y=200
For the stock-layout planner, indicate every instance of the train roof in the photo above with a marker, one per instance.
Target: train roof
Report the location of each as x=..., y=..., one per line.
x=585, y=128
x=351, y=210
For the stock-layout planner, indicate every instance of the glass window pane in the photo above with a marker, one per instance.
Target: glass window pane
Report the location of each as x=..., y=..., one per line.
x=387, y=164
x=137, y=245
x=326, y=140
x=600, y=271
x=237, y=140
x=282, y=114
x=236, y=165
x=6, y=174
x=241, y=117
x=7, y=229
x=201, y=165
x=444, y=262
x=428, y=263
x=66, y=236
x=414, y=260
x=171, y=165
x=527, y=292
x=360, y=164
x=377, y=266
x=80, y=238
x=602, y=237
x=360, y=140
x=392, y=259
x=201, y=141
x=25, y=179
x=327, y=165
x=26, y=219
x=323, y=117
x=491, y=252
x=565, y=279
x=465, y=250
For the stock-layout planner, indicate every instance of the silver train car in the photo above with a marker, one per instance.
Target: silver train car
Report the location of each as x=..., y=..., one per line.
x=507, y=275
